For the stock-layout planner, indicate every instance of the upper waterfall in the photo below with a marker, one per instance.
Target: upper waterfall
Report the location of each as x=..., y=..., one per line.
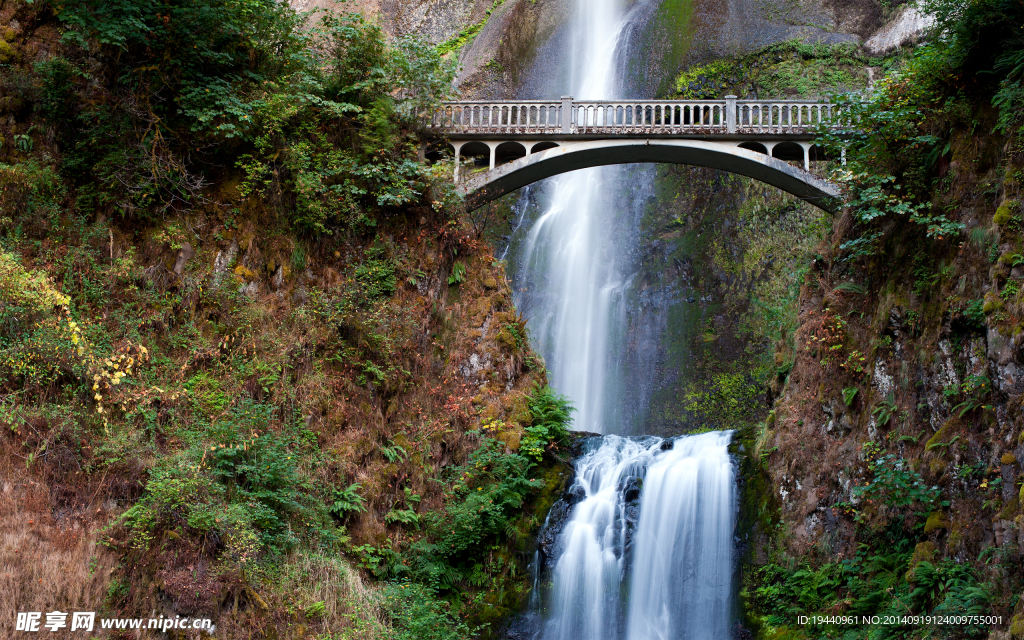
x=570, y=268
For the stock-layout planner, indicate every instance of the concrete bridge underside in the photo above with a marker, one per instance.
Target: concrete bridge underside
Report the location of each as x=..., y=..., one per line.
x=479, y=189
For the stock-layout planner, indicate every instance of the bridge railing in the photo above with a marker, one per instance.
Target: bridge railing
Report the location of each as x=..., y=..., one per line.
x=665, y=117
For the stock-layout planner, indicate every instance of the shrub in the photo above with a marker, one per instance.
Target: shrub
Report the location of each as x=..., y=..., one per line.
x=550, y=415
x=233, y=43
x=242, y=486
x=416, y=613
x=29, y=192
x=484, y=497
x=174, y=497
x=893, y=483
x=487, y=492
x=376, y=275
x=28, y=292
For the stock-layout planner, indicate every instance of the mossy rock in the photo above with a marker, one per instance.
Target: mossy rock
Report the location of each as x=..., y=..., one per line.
x=489, y=283
x=7, y=53
x=923, y=552
x=506, y=339
x=242, y=272
x=1020, y=497
x=993, y=303
x=787, y=633
x=955, y=538
x=519, y=411
x=511, y=435
x=1008, y=458
x=1004, y=214
x=1011, y=509
x=942, y=435
x=1017, y=626
x=936, y=521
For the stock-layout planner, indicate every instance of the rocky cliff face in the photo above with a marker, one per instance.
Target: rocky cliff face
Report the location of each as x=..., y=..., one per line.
x=910, y=371
x=507, y=48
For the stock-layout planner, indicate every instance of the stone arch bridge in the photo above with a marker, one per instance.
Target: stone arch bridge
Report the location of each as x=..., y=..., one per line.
x=514, y=144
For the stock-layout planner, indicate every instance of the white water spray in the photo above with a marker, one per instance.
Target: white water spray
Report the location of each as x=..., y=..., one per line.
x=681, y=583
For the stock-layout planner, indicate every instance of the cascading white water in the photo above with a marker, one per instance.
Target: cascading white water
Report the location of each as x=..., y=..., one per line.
x=566, y=245
x=677, y=561
x=584, y=600
x=681, y=580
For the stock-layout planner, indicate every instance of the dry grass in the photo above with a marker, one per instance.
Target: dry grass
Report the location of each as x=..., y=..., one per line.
x=349, y=607
x=48, y=564
x=314, y=596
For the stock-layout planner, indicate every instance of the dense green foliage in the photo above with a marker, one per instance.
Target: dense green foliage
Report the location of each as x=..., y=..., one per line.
x=893, y=173
x=932, y=152
x=550, y=417
x=786, y=69
x=318, y=114
x=886, y=577
x=486, y=502
x=166, y=156
x=416, y=613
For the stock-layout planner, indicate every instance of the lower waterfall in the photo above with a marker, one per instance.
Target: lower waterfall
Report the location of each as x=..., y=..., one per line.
x=646, y=551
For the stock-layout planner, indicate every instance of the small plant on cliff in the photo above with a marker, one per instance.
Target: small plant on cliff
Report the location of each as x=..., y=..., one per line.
x=885, y=410
x=458, y=275
x=828, y=338
x=974, y=390
x=347, y=501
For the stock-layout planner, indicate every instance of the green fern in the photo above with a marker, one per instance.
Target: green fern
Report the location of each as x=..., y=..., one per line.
x=885, y=410
x=849, y=394
x=347, y=501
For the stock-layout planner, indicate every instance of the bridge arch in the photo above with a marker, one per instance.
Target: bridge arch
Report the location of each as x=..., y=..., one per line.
x=571, y=156
x=759, y=147
x=509, y=152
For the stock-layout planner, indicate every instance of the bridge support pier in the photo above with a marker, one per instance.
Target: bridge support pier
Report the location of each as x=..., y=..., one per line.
x=493, y=146
x=806, y=146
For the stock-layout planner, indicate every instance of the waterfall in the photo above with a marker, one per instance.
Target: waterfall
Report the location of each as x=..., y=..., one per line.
x=681, y=582
x=640, y=548
x=662, y=574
